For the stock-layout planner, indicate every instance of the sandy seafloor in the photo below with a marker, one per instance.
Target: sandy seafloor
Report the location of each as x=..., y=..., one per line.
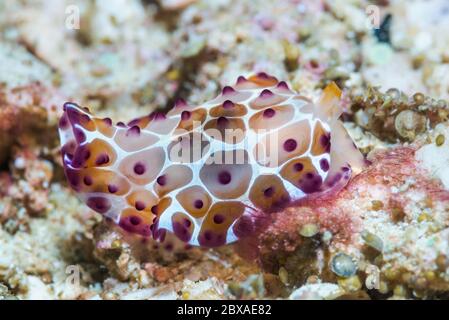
x=386, y=236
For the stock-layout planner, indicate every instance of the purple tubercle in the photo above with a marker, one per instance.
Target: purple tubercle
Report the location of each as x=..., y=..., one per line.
x=139, y=205
x=157, y=116
x=99, y=204
x=333, y=180
x=211, y=239
x=63, y=122
x=112, y=188
x=298, y=167
x=185, y=115
x=82, y=154
x=180, y=103
x=325, y=141
x=290, y=145
x=87, y=180
x=181, y=231
x=241, y=79
x=227, y=90
x=224, y=177
x=222, y=122
x=73, y=178
x=161, y=180
x=283, y=85
x=269, y=113
x=268, y=192
x=266, y=93
x=324, y=165
x=107, y=121
x=228, y=104
x=219, y=219
x=139, y=168
x=134, y=131
x=79, y=134
x=311, y=184
x=198, y=203
x=102, y=159
x=135, y=220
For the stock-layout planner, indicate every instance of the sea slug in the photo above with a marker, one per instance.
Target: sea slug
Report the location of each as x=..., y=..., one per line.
x=206, y=173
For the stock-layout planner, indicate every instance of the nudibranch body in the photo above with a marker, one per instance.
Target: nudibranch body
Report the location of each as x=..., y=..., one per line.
x=205, y=173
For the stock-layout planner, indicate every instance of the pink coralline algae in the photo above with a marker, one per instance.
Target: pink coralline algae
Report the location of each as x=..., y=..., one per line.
x=343, y=215
x=210, y=174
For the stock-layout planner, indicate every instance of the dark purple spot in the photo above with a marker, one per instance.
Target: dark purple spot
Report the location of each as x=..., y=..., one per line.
x=87, y=180
x=63, y=122
x=262, y=75
x=282, y=85
x=73, y=178
x=156, y=115
x=290, y=145
x=187, y=223
x=139, y=205
x=324, y=165
x=181, y=231
x=312, y=184
x=241, y=79
x=180, y=103
x=139, y=168
x=309, y=175
x=228, y=104
x=185, y=115
x=79, y=135
x=161, y=180
x=102, y=159
x=133, y=131
x=135, y=220
x=84, y=117
x=222, y=122
x=266, y=93
x=154, y=209
x=268, y=192
x=82, y=153
x=99, y=204
x=333, y=180
x=112, y=188
x=107, y=121
x=269, y=113
x=198, y=204
x=121, y=124
x=345, y=169
x=227, y=90
x=168, y=247
x=218, y=219
x=298, y=166
x=210, y=239
x=224, y=177
x=325, y=141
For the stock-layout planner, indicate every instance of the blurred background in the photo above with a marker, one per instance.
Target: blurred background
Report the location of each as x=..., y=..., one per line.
x=126, y=58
